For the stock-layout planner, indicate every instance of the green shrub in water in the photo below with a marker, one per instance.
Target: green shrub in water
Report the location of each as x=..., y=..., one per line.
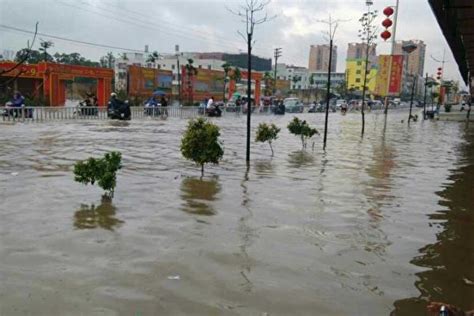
x=267, y=133
x=200, y=143
x=301, y=128
x=100, y=170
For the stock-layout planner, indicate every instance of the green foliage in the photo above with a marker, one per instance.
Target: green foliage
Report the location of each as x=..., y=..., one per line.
x=236, y=75
x=44, y=46
x=301, y=128
x=200, y=143
x=100, y=170
x=32, y=56
x=267, y=133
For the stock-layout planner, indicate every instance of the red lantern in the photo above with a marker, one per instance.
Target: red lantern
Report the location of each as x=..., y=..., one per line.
x=388, y=11
x=387, y=23
x=439, y=78
x=439, y=69
x=385, y=35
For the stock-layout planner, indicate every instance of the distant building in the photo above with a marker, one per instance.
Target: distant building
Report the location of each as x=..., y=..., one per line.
x=415, y=61
x=414, y=64
x=319, y=58
x=355, y=70
x=236, y=60
x=356, y=65
x=121, y=66
x=303, y=77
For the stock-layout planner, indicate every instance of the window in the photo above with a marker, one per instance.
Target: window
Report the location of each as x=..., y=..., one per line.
x=172, y=67
x=358, y=80
x=358, y=72
x=359, y=63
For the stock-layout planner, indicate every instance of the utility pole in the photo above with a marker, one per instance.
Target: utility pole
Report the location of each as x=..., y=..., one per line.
x=328, y=93
x=277, y=54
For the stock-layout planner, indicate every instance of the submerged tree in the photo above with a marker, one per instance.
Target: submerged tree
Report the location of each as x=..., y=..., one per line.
x=200, y=143
x=301, y=128
x=368, y=35
x=252, y=14
x=267, y=133
x=100, y=170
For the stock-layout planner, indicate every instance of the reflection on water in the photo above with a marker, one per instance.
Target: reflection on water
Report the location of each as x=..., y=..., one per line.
x=340, y=232
x=449, y=262
x=102, y=216
x=246, y=234
x=300, y=159
x=198, y=195
x=263, y=168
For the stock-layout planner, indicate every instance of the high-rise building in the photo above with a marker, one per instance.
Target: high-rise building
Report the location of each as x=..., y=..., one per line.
x=355, y=66
x=357, y=51
x=319, y=58
x=415, y=61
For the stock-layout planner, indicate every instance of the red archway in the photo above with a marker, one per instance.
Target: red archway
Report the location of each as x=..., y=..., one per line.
x=51, y=77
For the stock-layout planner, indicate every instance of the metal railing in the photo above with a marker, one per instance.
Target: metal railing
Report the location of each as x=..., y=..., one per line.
x=40, y=114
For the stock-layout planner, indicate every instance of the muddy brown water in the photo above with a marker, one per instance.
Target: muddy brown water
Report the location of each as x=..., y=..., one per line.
x=373, y=226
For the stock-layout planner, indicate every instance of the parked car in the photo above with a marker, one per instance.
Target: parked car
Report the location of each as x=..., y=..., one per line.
x=293, y=105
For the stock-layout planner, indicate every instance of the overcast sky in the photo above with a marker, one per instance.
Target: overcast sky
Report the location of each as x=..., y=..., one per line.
x=207, y=25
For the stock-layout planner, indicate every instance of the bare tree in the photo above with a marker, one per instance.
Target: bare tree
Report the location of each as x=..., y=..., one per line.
x=329, y=34
x=368, y=35
x=253, y=13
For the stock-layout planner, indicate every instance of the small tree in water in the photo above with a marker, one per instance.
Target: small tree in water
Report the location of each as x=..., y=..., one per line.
x=200, y=143
x=267, y=133
x=301, y=128
x=100, y=170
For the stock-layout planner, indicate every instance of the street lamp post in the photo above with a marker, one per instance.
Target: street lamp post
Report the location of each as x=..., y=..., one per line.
x=178, y=71
x=424, y=99
x=408, y=49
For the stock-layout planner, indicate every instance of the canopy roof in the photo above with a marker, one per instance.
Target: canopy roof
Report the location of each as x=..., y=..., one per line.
x=456, y=19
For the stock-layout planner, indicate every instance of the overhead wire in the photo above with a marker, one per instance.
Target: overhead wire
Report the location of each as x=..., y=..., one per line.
x=147, y=26
x=70, y=40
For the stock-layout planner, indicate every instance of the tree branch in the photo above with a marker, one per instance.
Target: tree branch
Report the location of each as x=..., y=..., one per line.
x=27, y=55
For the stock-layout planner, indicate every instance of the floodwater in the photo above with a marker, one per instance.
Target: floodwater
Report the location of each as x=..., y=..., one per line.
x=373, y=226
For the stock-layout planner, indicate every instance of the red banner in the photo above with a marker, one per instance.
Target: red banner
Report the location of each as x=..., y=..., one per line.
x=395, y=83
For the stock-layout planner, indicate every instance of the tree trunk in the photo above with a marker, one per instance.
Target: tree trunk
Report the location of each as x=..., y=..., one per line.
x=271, y=148
x=249, y=92
x=202, y=170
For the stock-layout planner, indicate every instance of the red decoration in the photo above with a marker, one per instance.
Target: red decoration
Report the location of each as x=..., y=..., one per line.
x=388, y=11
x=439, y=77
x=439, y=73
x=385, y=35
x=387, y=23
x=439, y=69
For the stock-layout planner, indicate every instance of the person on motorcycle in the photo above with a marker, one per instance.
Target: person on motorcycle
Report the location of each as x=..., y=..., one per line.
x=210, y=103
x=18, y=100
x=114, y=103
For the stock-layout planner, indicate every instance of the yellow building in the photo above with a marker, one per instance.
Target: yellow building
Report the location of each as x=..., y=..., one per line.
x=355, y=69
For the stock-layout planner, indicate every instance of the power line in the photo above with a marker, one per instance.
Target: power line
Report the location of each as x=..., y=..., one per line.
x=134, y=14
x=160, y=27
x=71, y=40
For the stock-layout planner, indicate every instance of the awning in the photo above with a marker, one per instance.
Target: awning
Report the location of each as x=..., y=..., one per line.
x=456, y=19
